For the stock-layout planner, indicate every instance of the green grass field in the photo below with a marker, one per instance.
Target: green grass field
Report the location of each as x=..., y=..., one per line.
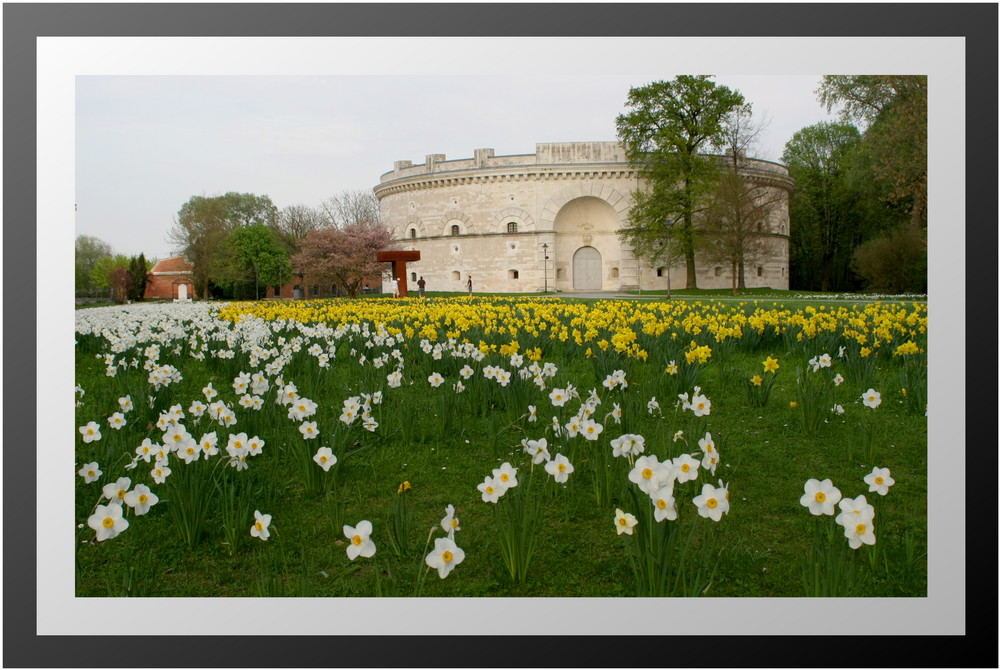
x=196, y=540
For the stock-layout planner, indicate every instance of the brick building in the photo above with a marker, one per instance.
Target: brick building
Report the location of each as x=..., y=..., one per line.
x=166, y=279
x=171, y=274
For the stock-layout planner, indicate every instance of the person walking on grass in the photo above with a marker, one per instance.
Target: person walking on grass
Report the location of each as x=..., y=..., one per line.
x=421, y=284
x=468, y=284
x=395, y=287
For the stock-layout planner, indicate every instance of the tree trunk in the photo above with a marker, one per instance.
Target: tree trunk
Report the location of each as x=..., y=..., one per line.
x=692, y=273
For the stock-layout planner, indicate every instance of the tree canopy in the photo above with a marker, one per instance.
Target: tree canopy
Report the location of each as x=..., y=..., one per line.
x=892, y=110
x=666, y=130
x=259, y=256
x=89, y=250
x=203, y=227
x=828, y=218
x=343, y=256
x=857, y=182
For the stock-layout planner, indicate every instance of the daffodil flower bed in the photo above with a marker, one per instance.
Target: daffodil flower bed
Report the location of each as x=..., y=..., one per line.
x=311, y=447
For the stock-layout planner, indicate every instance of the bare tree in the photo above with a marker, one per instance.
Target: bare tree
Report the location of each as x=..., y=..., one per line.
x=348, y=208
x=293, y=223
x=735, y=222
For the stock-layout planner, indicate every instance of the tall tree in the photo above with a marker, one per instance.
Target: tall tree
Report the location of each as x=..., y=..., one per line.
x=343, y=256
x=258, y=257
x=138, y=270
x=200, y=229
x=89, y=250
x=735, y=224
x=669, y=126
x=892, y=110
x=827, y=215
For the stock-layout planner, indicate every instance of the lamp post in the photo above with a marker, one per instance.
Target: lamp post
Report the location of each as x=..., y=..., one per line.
x=545, y=264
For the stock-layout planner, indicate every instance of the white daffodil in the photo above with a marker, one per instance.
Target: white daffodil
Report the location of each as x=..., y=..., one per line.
x=450, y=522
x=871, y=398
x=663, y=501
x=309, y=430
x=685, y=468
x=325, y=459
x=160, y=473
x=820, y=497
x=140, y=499
x=590, y=429
x=115, y=491
x=261, y=525
x=537, y=449
x=107, y=521
x=506, y=475
x=491, y=490
x=560, y=468
x=445, y=556
x=701, y=405
x=558, y=397
x=146, y=450
x=624, y=522
x=857, y=517
x=209, y=444
x=650, y=474
x=713, y=502
x=90, y=472
x=361, y=542
x=91, y=432
x=879, y=480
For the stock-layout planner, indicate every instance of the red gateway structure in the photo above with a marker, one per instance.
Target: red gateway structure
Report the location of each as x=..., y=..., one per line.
x=398, y=260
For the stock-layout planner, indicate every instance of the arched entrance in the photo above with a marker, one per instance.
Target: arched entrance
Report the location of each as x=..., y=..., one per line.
x=587, y=269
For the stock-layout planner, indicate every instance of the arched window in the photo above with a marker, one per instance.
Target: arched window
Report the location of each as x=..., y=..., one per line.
x=456, y=275
x=512, y=274
x=661, y=272
x=760, y=271
x=512, y=226
x=413, y=276
x=614, y=273
x=455, y=229
x=413, y=233
x=718, y=271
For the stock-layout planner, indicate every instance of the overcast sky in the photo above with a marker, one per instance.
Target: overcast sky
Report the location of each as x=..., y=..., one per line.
x=146, y=144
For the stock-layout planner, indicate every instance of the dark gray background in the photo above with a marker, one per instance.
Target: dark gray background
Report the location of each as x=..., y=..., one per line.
x=24, y=22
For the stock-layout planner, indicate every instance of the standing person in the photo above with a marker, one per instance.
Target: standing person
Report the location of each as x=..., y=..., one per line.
x=395, y=287
x=421, y=284
x=468, y=284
